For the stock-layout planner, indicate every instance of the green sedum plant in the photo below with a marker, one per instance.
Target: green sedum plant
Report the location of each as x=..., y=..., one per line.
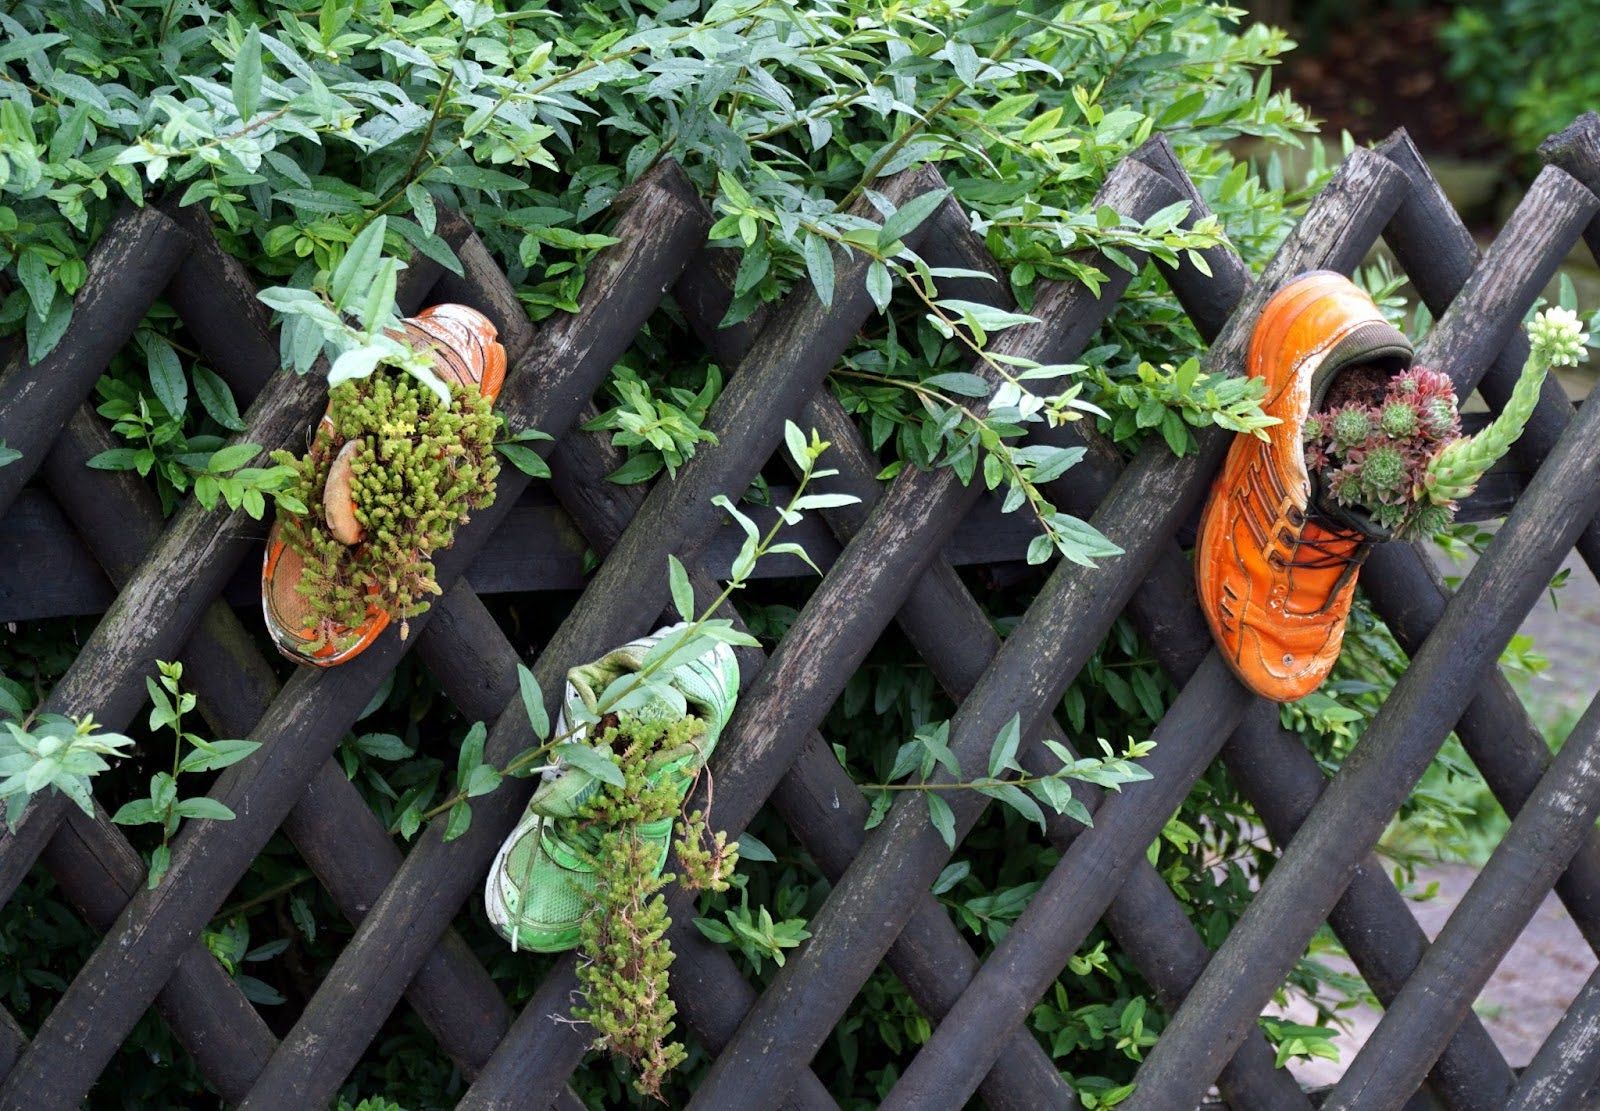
x=419, y=469
x=624, y=974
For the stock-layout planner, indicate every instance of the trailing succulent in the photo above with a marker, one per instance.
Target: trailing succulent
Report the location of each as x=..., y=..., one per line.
x=1392, y=450
x=420, y=469
x=624, y=976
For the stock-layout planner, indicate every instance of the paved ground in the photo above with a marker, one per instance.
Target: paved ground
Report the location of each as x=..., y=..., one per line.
x=1550, y=962
x=1522, y=1002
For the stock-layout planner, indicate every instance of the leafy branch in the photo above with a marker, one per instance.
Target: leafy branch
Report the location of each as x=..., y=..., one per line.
x=701, y=630
x=190, y=753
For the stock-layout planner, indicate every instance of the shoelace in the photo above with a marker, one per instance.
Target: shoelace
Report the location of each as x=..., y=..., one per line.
x=1339, y=547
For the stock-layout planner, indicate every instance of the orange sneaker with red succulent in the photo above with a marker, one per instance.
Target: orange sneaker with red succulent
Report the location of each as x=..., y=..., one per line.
x=1276, y=573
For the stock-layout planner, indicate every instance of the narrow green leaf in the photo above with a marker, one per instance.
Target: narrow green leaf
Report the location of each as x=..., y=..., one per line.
x=908, y=216
x=533, y=702
x=359, y=265
x=1004, y=750
x=459, y=818
x=682, y=589
x=525, y=459
x=753, y=848
x=247, y=74
x=819, y=267
x=471, y=754
x=880, y=286
x=203, y=807
x=166, y=375
x=943, y=819
x=597, y=764
x=217, y=399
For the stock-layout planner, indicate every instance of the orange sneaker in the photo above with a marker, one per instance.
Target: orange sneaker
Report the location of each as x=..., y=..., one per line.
x=468, y=354
x=1275, y=570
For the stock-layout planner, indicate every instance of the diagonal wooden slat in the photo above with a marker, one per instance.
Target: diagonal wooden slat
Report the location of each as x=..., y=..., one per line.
x=1429, y=239
x=1567, y=1067
x=1028, y=675
x=128, y=268
x=1481, y=929
x=784, y=368
x=126, y=971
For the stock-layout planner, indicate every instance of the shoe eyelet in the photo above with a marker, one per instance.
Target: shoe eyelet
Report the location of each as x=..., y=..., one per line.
x=1288, y=658
x=1297, y=516
x=1274, y=559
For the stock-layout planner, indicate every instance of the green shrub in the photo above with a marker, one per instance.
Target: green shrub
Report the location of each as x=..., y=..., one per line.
x=295, y=124
x=1516, y=63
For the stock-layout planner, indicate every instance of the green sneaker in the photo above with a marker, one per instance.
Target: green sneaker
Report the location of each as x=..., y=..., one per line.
x=541, y=883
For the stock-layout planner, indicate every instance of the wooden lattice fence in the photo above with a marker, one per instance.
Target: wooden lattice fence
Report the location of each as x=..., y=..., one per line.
x=890, y=558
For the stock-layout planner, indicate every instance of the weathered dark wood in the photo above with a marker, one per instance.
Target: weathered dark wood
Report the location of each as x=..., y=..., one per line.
x=1394, y=752
x=626, y=596
x=1567, y=1066
x=306, y=721
x=1576, y=149
x=99, y=872
x=215, y=296
x=1034, y=666
x=1481, y=929
x=946, y=626
x=45, y=570
x=883, y=562
x=1469, y=336
x=128, y=268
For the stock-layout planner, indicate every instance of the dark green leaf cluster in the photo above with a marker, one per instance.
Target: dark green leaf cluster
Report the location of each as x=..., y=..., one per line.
x=1516, y=64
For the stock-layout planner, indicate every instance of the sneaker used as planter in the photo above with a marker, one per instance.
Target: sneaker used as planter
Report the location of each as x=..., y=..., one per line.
x=467, y=354
x=542, y=882
x=1275, y=563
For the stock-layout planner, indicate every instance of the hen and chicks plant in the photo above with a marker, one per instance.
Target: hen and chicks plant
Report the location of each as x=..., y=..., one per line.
x=1400, y=458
